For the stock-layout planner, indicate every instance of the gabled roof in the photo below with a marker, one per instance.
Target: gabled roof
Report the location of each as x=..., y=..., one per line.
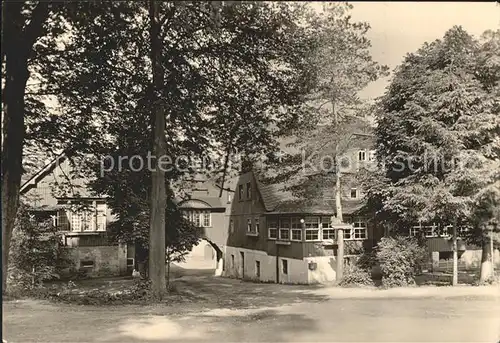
x=32, y=181
x=212, y=202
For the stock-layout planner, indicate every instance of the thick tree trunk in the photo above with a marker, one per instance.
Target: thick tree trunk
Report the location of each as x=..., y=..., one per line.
x=486, y=260
x=158, y=192
x=16, y=71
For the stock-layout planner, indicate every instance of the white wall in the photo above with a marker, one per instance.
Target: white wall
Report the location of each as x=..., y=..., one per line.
x=298, y=270
x=326, y=269
x=267, y=264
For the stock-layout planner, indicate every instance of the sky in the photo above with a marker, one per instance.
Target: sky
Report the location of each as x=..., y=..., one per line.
x=398, y=28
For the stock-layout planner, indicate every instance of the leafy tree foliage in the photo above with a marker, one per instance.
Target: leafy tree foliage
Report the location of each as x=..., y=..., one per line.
x=437, y=133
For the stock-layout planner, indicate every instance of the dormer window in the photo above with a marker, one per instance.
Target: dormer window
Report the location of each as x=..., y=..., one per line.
x=229, y=198
x=354, y=193
x=362, y=155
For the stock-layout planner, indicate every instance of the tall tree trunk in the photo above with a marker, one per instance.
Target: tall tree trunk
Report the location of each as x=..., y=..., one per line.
x=158, y=192
x=486, y=259
x=17, y=44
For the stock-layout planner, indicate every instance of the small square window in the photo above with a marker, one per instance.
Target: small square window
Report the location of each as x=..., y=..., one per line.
x=284, y=267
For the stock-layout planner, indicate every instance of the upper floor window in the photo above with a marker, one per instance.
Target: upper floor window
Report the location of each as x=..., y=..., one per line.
x=362, y=155
x=199, y=218
x=240, y=192
x=249, y=190
x=229, y=198
x=253, y=230
x=207, y=219
x=231, y=226
x=354, y=193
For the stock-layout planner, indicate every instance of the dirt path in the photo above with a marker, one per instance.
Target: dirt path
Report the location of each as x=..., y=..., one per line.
x=231, y=311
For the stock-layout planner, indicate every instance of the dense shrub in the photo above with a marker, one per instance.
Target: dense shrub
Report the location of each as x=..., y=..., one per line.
x=400, y=259
x=36, y=254
x=356, y=276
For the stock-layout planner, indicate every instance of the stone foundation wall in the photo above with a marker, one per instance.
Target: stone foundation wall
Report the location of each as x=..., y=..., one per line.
x=100, y=261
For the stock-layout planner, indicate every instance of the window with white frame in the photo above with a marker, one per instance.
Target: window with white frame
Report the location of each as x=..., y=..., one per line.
x=272, y=228
x=249, y=225
x=354, y=193
x=371, y=156
x=284, y=228
x=362, y=155
x=347, y=234
x=296, y=229
x=101, y=217
x=199, y=218
x=414, y=230
x=445, y=232
x=89, y=216
x=327, y=231
x=328, y=234
x=296, y=234
x=359, y=230
x=312, y=225
x=206, y=219
x=257, y=225
x=428, y=230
